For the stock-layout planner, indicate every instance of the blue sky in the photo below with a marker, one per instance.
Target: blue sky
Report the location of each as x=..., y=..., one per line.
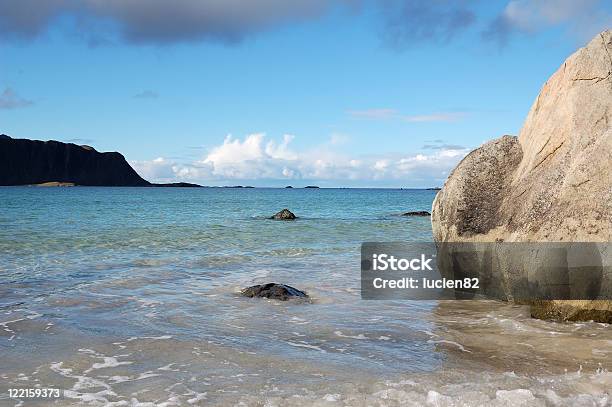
x=334, y=92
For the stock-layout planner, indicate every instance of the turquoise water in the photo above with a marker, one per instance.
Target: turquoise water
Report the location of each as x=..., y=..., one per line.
x=130, y=295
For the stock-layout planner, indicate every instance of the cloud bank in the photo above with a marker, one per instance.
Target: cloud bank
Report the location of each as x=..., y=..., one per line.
x=255, y=158
x=403, y=22
x=584, y=18
x=160, y=21
x=413, y=21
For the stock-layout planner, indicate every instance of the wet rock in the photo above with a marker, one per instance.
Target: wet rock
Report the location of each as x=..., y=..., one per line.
x=285, y=214
x=417, y=213
x=273, y=291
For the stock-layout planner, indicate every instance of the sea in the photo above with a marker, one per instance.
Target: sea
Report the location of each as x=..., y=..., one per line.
x=131, y=297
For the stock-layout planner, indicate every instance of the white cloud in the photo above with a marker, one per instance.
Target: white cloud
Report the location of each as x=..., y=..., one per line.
x=251, y=158
x=374, y=114
x=434, y=117
x=337, y=139
x=157, y=169
x=392, y=114
x=164, y=170
x=255, y=158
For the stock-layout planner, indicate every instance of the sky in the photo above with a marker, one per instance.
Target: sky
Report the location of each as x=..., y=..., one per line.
x=336, y=93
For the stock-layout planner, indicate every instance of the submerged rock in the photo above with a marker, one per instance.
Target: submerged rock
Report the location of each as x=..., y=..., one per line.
x=285, y=214
x=551, y=184
x=273, y=291
x=417, y=213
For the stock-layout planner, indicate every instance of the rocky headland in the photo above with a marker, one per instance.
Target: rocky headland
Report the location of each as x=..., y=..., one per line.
x=53, y=163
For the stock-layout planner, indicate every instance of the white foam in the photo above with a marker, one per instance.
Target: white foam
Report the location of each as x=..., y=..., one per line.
x=298, y=321
x=146, y=375
x=5, y=324
x=153, y=338
x=119, y=379
x=360, y=336
x=458, y=345
x=332, y=397
x=515, y=397
x=436, y=399
x=168, y=368
x=197, y=397
x=108, y=362
x=305, y=345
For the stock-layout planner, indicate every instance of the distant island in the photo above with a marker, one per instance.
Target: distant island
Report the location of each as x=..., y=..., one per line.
x=53, y=163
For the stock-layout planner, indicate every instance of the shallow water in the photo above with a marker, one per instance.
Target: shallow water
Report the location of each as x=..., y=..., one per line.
x=129, y=296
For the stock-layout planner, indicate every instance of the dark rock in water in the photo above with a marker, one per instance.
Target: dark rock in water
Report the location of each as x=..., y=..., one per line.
x=311, y=186
x=434, y=189
x=29, y=162
x=273, y=291
x=417, y=213
x=285, y=214
x=288, y=186
x=4, y=137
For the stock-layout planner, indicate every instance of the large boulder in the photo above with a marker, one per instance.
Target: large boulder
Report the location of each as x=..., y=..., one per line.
x=551, y=184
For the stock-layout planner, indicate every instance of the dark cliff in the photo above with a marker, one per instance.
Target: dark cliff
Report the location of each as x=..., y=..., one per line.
x=24, y=162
